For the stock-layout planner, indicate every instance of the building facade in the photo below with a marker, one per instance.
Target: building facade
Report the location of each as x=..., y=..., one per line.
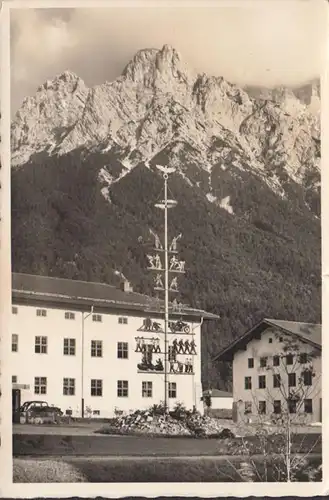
x=95, y=350
x=277, y=371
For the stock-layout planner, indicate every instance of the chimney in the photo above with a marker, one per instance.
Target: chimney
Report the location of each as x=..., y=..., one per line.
x=126, y=286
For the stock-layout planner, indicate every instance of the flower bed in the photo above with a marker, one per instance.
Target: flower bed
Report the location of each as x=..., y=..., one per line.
x=178, y=422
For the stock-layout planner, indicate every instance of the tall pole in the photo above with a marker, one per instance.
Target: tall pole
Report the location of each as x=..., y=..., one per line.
x=165, y=176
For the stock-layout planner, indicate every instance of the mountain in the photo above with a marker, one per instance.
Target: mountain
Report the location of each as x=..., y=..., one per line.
x=247, y=182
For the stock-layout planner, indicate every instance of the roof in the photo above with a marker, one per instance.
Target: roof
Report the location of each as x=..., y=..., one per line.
x=84, y=294
x=307, y=332
x=216, y=393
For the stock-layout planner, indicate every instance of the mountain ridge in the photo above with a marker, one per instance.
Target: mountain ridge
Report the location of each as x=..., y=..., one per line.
x=247, y=180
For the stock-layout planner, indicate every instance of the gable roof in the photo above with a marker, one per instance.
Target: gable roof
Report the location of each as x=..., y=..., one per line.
x=84, y=294
x=307, y=332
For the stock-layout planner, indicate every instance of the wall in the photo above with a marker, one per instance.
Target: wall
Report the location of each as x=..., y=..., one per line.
x=219, y=403
x=26, y=364
x=261, y=347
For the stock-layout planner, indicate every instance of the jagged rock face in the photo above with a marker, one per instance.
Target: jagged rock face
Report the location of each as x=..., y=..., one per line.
x=160, y=108
x=43, y=120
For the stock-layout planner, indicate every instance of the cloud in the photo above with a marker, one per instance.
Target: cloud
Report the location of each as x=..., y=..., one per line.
x=262, y=42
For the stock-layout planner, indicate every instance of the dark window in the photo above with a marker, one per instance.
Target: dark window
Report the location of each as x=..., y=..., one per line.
x=303, y=358
x=96, y=348
x=96, y=412
x=250, y=362
x=68, y=386
x=276, y=360
x=277, y=406
x=123, y=321
x=263, y=362
x=289, y=359
x=97, y=318
x=247, y=383
x=122, y=388
x=123, y=350
x=262, y=381
x=307, y=376
x=14, y=342
x=14, y=379
x=281, y=339
x=292, y=379
x=248, y=407
x=69, y=347
x=42, y=312
x=40, y=385
x=276, y=380
x=41, y=345
x=308, y=406
x=292, y=405
x=262, y=407
x=69, y=315
x=270, y=340
x=96, y=387
x=14, y=310
x=68, y=412
x=146, y=389
x=172, y=390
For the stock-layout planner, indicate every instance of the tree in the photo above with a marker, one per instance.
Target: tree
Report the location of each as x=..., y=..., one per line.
x=289, y=382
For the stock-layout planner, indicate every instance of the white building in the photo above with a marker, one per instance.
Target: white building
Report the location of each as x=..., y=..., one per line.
x=277, y=370
x=220, y=400
x=88, y=345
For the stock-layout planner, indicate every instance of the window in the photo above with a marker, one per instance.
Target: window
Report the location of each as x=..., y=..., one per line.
x=276, y=360
x=250, y=362
x=96, y=412
x=247, y=383
x=42, y=312
x=270, y=340
x=68, y=386
x=146, y=389
x=14, y=342
x=123, y=321
x=68, y=412
x=69, y=347
x=97, y=318
x=303, y=358
x=41, y=345
x=281, y=339
x=96, y=387
x=123, y=350
x=292, y=405
x=247, y=406
x=14, y=310
x=262, y=381
x=292, y=379
x=308, y=407
x=122, y=388
x=276, y=380
x=69, y=315
x=307, y=376
x=40, y=385
x=172, y=390
x=289, y=359
x=263, y=362
x=96, y=348
x=262, y=407
x=277, y=406
x=14, y=379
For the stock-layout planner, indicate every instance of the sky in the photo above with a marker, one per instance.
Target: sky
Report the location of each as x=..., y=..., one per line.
x=266, y=43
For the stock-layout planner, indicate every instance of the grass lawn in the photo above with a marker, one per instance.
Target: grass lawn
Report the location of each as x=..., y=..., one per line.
x=198, y=469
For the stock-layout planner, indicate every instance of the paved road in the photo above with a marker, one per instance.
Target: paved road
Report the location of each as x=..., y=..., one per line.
x=87, y=429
